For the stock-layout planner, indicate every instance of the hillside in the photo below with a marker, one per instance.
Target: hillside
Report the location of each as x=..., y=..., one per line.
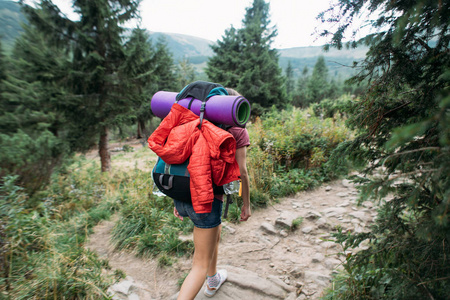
x=183, y=45
x=339, y=62
x=10, y=20
x=198, y=50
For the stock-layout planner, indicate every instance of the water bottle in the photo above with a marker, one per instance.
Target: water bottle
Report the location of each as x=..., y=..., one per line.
x=156, y=191
x=232, y=187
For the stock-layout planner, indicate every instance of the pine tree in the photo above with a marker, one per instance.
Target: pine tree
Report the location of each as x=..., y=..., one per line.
x=224, y=66
x=300, y=97
x=318, y=86
x=245, y=60
x=138, y=71
x=32, y=136
x=185, y=73
x=165, y=67
x=403, y=133
x=98, y=99
x=290, y=86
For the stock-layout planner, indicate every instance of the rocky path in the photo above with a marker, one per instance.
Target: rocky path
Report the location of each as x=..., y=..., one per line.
x=266, y=257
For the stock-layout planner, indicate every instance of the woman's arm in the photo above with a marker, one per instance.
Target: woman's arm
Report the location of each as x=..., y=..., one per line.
x=241, y=158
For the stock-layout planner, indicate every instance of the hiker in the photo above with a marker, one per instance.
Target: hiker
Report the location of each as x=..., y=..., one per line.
x=207, y=227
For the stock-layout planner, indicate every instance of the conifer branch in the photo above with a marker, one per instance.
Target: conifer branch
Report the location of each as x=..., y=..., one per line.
x=410, y=151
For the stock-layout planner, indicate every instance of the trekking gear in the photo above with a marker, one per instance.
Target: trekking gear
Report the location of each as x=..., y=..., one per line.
x=214, y=283
x=201, y=90
x=211, y=152
x=173, y=180
x=220, y=109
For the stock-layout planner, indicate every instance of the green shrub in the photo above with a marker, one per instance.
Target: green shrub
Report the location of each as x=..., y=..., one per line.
x=330, y=108
x=43, y=254
x=259, y=199
x=147, y=224
x=32, y=158
x=164, y=260
x=290, y=151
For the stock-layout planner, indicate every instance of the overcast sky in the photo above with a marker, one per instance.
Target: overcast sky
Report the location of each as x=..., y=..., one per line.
x=295, y=20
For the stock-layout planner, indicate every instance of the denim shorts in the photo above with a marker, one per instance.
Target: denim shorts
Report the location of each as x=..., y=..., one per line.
x=206, y=220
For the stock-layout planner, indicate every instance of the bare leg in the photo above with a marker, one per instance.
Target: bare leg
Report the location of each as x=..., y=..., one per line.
x=212, y=270
x=205, y=243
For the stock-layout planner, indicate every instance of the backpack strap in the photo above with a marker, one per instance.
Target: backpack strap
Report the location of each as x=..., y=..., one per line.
x=227, y=203
x=201, y=90
x=190, y=102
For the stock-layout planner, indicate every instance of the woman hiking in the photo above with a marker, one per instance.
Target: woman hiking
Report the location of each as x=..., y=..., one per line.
x=207, y=227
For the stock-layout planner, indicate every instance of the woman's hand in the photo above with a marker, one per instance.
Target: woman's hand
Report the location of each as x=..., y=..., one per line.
x=241, y=158
x=175, y=212
x=246, y=212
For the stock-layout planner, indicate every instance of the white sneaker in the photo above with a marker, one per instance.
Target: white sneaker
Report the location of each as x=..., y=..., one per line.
x=209, y=292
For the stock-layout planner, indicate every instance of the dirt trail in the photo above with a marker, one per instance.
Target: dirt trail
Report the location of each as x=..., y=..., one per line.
x=266, y=258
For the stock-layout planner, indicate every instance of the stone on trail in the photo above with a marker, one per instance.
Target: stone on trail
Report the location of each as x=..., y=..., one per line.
x=123, y=287
x=361, y=216
x=307, y=229
x=331, y=263
x=367, y=204
x=328, y=244
x=302, y=297
x=317, y=258
x=312, y=215
x=323, y=223
x=285, y=219
x=335, y=211
x=244, y=284
x=347, y=183
x=297, y=272
x=281, y=283
x=133, y=296
x=229, y=229
x=343, y=204
x=268, y=228
x=342, y=194
x=318, y=278
x=284, y=233
x=291, y=296
x=252, y=281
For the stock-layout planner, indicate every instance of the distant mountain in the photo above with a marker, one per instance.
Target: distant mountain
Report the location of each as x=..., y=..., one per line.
x=197, y=50
x=183, y=45
x=338, y=62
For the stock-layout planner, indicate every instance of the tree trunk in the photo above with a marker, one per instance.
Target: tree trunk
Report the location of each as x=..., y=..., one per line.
x=141, y=129
x=105, y=158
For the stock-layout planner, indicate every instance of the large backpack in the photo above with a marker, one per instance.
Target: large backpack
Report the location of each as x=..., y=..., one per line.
x=174, y=180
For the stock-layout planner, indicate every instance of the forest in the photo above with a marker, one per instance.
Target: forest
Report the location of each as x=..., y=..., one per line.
x=69, y=87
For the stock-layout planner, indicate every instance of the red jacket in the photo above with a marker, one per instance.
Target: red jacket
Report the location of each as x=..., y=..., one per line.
x=211, y=151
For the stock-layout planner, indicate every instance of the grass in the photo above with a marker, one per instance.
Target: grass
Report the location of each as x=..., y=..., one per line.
x=296, y=223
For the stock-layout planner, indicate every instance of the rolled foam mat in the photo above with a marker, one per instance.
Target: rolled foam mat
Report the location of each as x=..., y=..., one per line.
x=228, y=110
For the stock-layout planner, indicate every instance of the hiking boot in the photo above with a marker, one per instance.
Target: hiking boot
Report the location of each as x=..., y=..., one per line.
x=211, y=291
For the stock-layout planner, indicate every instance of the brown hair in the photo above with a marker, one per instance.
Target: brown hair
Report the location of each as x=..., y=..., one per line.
x=232, y=92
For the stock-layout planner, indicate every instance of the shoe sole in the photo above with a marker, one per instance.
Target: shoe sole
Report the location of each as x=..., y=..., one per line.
x=214, y=291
